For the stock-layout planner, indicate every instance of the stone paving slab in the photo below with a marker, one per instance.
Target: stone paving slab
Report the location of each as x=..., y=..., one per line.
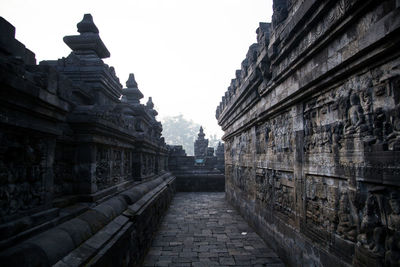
x=202, y=229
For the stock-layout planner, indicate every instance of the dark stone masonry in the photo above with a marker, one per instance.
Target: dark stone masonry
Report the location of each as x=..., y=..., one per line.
x=83, y=168
x=312, y=133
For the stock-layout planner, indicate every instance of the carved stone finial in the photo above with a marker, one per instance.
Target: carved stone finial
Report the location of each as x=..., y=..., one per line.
x=131, y=82
x=150, y=106
x=201, y=133
x=200, y=145
x=89, y=41
x=87, y=25
x=149, y=103
x=132, y=91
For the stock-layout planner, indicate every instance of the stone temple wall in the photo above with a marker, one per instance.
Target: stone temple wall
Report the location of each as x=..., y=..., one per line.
x=83, y=166
x=312, y=133
x=194, y=177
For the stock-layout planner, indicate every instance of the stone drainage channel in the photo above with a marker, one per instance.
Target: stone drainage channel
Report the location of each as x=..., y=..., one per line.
x=202, y=229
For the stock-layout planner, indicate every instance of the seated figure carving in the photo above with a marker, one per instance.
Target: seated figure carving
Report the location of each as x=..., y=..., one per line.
x=394, y=136
x=372, y=233
x=346, y=227
x=356, y=119
x=392, y=244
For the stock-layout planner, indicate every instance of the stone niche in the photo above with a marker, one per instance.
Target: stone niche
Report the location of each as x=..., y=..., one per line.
x=312, y=133
x=83, y=167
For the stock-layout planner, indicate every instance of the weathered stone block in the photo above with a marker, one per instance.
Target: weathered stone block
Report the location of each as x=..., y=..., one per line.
x=50, y=244
x=78, y=229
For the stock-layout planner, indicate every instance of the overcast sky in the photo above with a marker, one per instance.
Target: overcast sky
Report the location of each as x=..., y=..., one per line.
x=183, y=52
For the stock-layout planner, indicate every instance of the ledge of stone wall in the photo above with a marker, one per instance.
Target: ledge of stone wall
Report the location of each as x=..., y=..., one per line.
x=89, y=237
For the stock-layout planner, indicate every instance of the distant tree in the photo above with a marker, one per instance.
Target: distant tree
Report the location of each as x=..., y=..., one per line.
x=179, y=131
x=213, y=141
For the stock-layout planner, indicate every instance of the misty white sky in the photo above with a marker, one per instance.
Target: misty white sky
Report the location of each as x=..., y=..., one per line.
x=183, y=52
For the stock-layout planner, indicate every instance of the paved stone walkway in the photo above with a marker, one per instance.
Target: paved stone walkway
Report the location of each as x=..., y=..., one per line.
x=202, y=229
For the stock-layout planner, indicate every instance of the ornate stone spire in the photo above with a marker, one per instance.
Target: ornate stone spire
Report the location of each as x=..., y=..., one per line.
x=150, y=106
x=132, y=92
x=201, y=133
x=87, y=25
x=131, y=82
x=149, y=103
x=88, y=41
x=200, y=145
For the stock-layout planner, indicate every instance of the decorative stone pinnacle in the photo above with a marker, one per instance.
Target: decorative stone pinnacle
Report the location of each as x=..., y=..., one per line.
x=87, y=25
x=88, y=41
x=132, y=92
x=131, y=82
x=201, y=133
x=149, y=103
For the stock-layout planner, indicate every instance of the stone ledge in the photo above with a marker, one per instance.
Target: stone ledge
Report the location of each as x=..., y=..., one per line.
x=97, y=225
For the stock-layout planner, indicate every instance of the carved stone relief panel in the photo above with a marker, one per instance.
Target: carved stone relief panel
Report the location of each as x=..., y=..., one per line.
x=379, y=226
x=63, y=169
x=116, y=165
x=127, y=164
x=275, y=189
x=103, y=168
x=238, y=148
x=113, y=165
x=278, y=134
x=359, y=115
x=284, y=199
x=241, y=177
x=261, y=139
x=328, y=207
x=23, y=168
x=264, y=187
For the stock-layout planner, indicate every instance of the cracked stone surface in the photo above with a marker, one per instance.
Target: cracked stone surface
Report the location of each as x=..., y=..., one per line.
x=202, y=229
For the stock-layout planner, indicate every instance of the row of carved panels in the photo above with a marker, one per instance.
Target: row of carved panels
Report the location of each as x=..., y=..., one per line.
x=365, y=216
x=361, y=115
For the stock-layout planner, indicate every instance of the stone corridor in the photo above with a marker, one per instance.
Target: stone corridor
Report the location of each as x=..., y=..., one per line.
x=202, y=229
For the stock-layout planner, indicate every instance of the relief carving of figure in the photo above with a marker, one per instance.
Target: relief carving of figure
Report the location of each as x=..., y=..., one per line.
x=270, y=138
x=326, y=143
x=394, y=136
x=371, y=231
x=394, y=216
x=337, y=134
x=392, y=244
x=356, y=118
x=366, y=103
x=379, y=124
x=346, y=227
